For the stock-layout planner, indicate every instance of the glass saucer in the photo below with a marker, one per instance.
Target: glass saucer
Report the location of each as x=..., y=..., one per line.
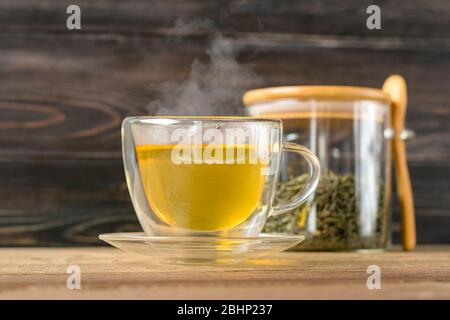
x=202, y=249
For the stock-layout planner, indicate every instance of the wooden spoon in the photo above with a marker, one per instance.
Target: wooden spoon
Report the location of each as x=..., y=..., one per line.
x=395, y=87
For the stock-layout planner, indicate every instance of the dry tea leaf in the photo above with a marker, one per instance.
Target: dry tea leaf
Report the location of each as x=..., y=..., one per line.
x=336, y=213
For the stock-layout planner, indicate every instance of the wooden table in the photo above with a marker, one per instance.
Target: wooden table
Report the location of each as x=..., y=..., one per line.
x=40, y=273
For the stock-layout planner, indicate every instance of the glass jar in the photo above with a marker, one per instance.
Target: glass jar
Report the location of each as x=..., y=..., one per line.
x=350, y=130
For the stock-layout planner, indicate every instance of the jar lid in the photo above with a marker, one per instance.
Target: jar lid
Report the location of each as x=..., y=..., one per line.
x=315, y=93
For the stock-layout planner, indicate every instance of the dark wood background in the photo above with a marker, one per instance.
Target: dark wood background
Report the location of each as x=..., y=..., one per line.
x=64, y=93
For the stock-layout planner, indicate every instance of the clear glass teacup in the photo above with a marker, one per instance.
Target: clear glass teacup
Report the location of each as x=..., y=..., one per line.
x=207, y=176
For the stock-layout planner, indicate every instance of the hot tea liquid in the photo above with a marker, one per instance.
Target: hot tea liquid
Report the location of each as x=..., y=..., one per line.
x=201, y=196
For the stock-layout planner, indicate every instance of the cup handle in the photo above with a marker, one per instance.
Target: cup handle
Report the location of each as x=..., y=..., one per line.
x=311, y=184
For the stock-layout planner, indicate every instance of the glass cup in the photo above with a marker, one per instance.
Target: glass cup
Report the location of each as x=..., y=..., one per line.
x=207, y=176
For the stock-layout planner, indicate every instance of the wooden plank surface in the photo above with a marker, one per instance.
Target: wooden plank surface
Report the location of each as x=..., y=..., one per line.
x=401, y=18
x=40, y=273
x=63, y=94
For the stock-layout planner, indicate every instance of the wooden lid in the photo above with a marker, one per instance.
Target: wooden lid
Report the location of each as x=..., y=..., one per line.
x=314, y=92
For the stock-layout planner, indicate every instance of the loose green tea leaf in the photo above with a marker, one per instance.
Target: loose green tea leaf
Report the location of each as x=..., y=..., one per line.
x=333, y=219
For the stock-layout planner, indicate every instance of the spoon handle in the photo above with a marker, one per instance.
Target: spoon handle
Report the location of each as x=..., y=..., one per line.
x=395, y=86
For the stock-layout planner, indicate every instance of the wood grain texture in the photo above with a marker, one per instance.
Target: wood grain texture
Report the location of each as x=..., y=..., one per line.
x=64, y=94
x=401, y=18
x=61, y=202
x=108, y=273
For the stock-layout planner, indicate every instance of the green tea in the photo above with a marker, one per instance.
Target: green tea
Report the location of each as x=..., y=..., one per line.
x=204, y=196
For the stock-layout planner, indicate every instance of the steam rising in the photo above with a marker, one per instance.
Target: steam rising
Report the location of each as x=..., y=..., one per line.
x=213, y=88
